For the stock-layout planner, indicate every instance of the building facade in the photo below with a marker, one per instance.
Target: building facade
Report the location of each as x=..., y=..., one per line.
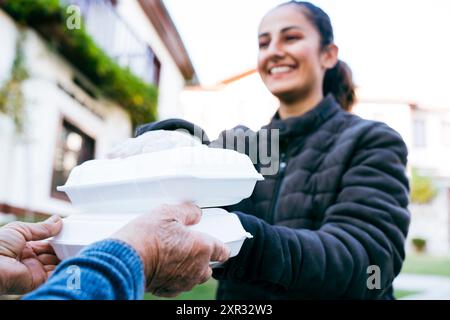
x=64, y=124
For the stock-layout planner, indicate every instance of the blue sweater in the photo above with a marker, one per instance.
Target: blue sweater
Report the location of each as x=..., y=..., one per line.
x=106, y=270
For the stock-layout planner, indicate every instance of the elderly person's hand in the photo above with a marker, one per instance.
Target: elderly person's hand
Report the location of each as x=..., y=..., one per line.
x=25, y=262
x=175, y=258
x=153, y=141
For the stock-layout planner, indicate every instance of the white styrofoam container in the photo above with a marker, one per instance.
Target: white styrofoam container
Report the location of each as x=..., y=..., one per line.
x=81, y=230
x=118, y=190
x=208, y=177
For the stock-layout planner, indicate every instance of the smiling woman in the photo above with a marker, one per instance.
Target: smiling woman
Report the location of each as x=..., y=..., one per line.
x=336, y=207
x=297, y=53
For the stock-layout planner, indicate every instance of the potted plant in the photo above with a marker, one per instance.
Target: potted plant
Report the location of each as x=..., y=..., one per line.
x=419, y=244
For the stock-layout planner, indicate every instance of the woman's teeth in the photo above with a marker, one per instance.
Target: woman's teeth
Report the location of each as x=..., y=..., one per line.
x=282, y=69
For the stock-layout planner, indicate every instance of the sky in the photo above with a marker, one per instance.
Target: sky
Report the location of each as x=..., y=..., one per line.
x=398, y=48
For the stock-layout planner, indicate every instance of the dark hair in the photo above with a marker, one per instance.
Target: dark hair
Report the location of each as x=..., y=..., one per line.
x=338, y=80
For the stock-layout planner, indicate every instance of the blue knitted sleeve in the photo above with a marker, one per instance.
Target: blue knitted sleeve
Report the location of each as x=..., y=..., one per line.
x=106, y=270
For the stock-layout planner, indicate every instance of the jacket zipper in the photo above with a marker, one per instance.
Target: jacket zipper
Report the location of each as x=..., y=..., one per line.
x=275, y=200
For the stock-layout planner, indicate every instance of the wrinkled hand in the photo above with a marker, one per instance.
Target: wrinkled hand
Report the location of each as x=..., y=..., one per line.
x=175, y=258
x=153, y=141
x=26, y=263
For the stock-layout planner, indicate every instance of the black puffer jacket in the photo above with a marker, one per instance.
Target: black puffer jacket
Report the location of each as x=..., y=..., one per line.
x=337, y=205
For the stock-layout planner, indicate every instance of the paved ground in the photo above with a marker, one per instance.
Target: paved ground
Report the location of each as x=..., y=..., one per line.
x=429, y=287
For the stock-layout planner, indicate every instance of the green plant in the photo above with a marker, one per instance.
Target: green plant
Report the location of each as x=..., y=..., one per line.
x=120, y=84
x=399, y=294
x=419, y=244
x=12, y=99
x=422, y=188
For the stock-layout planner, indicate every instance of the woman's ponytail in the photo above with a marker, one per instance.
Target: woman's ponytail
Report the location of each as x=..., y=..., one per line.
x=339, y=82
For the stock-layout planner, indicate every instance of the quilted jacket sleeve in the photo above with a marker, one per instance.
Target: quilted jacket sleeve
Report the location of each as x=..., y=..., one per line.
x=363, y=231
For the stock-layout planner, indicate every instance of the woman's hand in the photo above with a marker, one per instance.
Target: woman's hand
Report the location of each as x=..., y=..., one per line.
x=153, y=141
x=26, y=262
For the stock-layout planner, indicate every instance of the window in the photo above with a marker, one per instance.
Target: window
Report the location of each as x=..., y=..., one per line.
x=114, y=35
x=419, y=134
x=446, y=133
x=73, y=148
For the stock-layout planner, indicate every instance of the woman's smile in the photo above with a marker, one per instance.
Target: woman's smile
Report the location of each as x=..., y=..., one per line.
x=282, y=75
x=280, y=70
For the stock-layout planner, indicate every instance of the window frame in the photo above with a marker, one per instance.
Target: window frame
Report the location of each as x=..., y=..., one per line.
x=423, y=137
x=54, y=194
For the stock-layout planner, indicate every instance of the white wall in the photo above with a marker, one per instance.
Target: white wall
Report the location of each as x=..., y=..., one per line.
x=244, y=102
x=26, y=162
x=432, y=222
x=435, y=155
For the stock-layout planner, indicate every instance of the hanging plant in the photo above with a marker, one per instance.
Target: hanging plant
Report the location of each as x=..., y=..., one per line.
x=12, y=99
x=48, y=17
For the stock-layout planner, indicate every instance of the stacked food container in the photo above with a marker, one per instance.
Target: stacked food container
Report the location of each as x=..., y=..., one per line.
x=111, y=192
